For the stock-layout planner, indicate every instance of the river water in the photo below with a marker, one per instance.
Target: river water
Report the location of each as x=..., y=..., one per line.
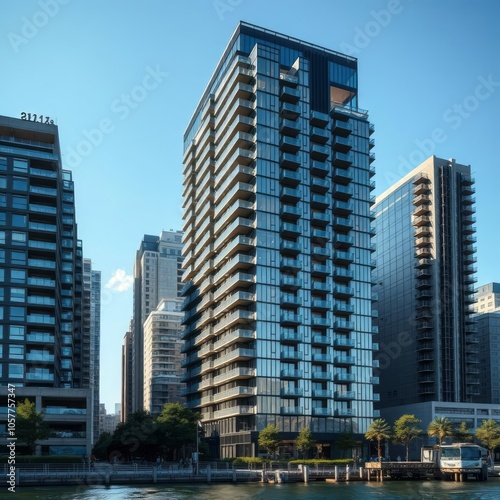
x=389, y=490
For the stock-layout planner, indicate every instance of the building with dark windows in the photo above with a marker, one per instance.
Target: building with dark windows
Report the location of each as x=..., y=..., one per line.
x=92, y=337
x=425, y=254
x=126, y=393
x=42, y=337
x=277, y=247
x=488, y=327
x=157, y=276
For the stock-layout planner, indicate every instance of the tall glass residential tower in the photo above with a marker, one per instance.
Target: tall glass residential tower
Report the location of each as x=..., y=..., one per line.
x=425, y=285
x=277, y=246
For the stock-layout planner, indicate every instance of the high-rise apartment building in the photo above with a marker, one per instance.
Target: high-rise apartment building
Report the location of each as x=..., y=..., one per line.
x=162, y=356
x=92, y=337
x=42, y=337
x=488, y=327
x=425, y=256
x=277, y=252
x=127, y=380
x=157, y=276
x=488, y=298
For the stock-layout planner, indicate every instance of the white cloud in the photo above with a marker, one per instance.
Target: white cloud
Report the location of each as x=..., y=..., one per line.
x=120, y=281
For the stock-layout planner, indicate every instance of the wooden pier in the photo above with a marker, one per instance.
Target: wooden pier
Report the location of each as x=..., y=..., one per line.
x=400, y=470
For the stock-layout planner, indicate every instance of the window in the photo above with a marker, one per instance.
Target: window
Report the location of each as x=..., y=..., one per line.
x=18, y=238
x=17, y=313
x=18, y=257
x=3, y=163
x=17, y=294
x=20, y=165
x=16, y=332
x=19, y=220
x=16, y=370
x=18, y=276
x=2, y=275
x=3, y=218
x=19, y=202
x=20, y=184
x=16, y=351
x=3, y=200
x=3, y=182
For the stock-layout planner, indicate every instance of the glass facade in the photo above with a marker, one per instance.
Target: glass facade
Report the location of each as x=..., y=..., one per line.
x=424, y=284
x=277, y=246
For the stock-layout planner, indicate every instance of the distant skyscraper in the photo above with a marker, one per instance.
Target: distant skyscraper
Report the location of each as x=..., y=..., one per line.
x=92, y=336
x=425, y=257
x=42, y=336
x=162, y=356
x=157, y=276
x=127, y=380
x=488, y=298
x=277, y=183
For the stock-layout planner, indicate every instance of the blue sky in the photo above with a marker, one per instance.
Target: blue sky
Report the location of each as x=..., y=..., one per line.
x=122, y=78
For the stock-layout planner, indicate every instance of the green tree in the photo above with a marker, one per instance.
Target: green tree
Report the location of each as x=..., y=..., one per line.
x=305, y=442
x=176, y=426
x=30, y=425
x=379, y=429
x=100, y=449
x=489, y=435
x=345, y=442
x=406, y=429
x=268, y=439
x=463, y=434
x=440, y=427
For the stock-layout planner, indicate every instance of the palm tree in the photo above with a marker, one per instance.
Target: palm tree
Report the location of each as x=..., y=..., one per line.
x=378, y=430
x=440, y=428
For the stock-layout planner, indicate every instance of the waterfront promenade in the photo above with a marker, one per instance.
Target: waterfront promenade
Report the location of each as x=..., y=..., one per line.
x=123, y=474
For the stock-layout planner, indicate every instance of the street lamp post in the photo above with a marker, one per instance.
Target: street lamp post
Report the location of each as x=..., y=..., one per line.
x=197, y=447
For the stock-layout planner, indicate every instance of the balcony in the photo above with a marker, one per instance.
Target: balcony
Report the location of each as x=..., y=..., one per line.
x=234, y=411
x=343, y=275
x=320, y=322
x=292, y=337
x=319, y=135
x=344, y=395
x=344, y=412
x=343, y=128
x=341, y=308
x=290, y=247
x=343, y=258
x=344, y=378
x=319, y=119
x=320, y=253
x=290, y=212
x=321, y=375
x=422, y=220
x=320, y=357
x=344, y=360
x=290, y=178
x=320, y=270
x=320, y=235
x=289, y=94
x=289, y=111
x=288, y=194
x=290, y=283
x=319, y=201
x=320, y=218
x=289, y=127
x=290, y=319
x=321, y=339
x=240, y=335
x=320, y=286
x=342, y=160
x=289, y=160
x=235, y=374
x=292, y=410
x=324, y=305
x=343, y=292
x=420, y=210
x=290, y=299
x=292, y=392
x=322, y=412
x=341, y=192
x=318, y=152
x=343, y=344
x=234, y=392
x=291, y=373
x=319, y=168
x=319, y=185
x=40, y=377
x=290, y=144
x=342, y=176
x=290, y=230
x=342, y=241
x=342, y=208
x=341, y=326
x=342, y=144
x=422, y=199
x=342, y=224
